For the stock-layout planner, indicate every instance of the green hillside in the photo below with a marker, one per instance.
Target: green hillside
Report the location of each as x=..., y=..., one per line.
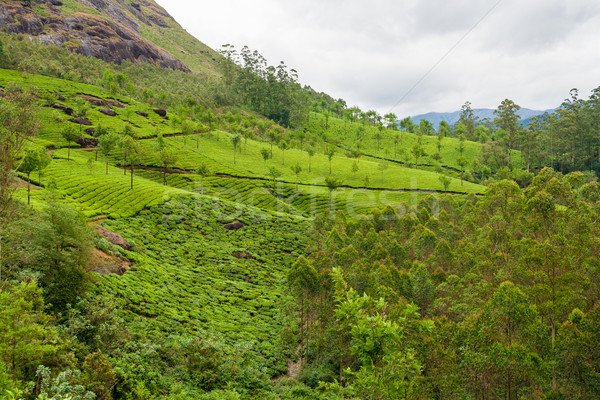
x=180, y=224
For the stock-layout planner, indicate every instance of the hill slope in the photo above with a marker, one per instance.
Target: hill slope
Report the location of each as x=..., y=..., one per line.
x=111, y=30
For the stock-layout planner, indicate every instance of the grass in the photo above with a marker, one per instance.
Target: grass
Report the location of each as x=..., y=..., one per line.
x=218, y=155
x=187, y=279
x=350, y=133
x=246, y=181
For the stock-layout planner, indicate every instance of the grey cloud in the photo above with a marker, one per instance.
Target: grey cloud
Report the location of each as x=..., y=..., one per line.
x=372, y=53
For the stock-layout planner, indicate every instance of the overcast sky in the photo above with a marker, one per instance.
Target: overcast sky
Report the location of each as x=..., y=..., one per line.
x=372, y=53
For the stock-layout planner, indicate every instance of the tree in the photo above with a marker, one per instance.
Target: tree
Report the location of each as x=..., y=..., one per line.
x=418, y=152
x=468, y=120
x=70, y=134
x=106, y=144
x=58, y=119
x=266, y=154
x=25, y=338
x=379, y=135
x=296, y=169
x=18, y=127
x=63, y=249
x=273, y=135
x=81, y=110
x=462, y=163
x=407, y=125
x=43, y=161
x=507, y=119
x=274, y=173
x=166, y=157
x=135, y=156
x=445, y=181
x=311, y=152
x=396, y=141
x=204, y=171
x=330, y=154
x=382, y=166
x=332, y=184
x=303, y=280
x=283, y=146
x=100, y=131
x=33, y=161
x=391, y=120
x=126, y=142
x=235, y=141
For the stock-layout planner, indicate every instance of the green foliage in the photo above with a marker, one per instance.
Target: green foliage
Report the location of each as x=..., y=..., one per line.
x=26, y=340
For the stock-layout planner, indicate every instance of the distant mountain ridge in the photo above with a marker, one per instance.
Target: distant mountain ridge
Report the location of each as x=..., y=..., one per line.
x=451, y=118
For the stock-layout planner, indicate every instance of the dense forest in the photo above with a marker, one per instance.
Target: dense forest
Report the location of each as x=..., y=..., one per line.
x=226, y=232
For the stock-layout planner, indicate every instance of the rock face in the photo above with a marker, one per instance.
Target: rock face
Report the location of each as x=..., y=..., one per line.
x=65, y=109
x=81, y=121
x=107, y=111
x=86, y=143
x=114, y=238
x=234, y=225
x=113, y=36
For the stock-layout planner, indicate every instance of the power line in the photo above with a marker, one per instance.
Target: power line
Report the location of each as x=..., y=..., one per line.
x=446, y=54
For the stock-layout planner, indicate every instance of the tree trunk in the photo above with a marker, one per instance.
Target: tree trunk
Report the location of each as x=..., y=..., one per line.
x=131, y=176
x=28, y=189
x=301, y=330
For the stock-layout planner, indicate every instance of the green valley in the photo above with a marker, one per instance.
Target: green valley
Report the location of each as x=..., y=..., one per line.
x=183, y=223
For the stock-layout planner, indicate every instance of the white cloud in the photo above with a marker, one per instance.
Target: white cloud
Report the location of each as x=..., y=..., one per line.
x=371, y=54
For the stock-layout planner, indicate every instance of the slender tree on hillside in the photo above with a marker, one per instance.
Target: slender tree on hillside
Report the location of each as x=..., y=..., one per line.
x=70, y=134
x=508, y=120
x=311, y=152
x=203, y=171
x=382, y=166
x=235, y=141
x=266, y=154
x=330, y=154
x=283, y=146
x=332, y=184
x=58, y=119
x=303, y=279
x=407, y=125
x=81, y=111
x=446, y=181
x=107, y=143
x=418, y=152
x=379, y=135
x=274, y=173
x=392, y=120
x=135, y=156
x=296, y=169
x=30, y=163
x=462, y=163
x=100, y=131
x=468, y=120
x=165, y=155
